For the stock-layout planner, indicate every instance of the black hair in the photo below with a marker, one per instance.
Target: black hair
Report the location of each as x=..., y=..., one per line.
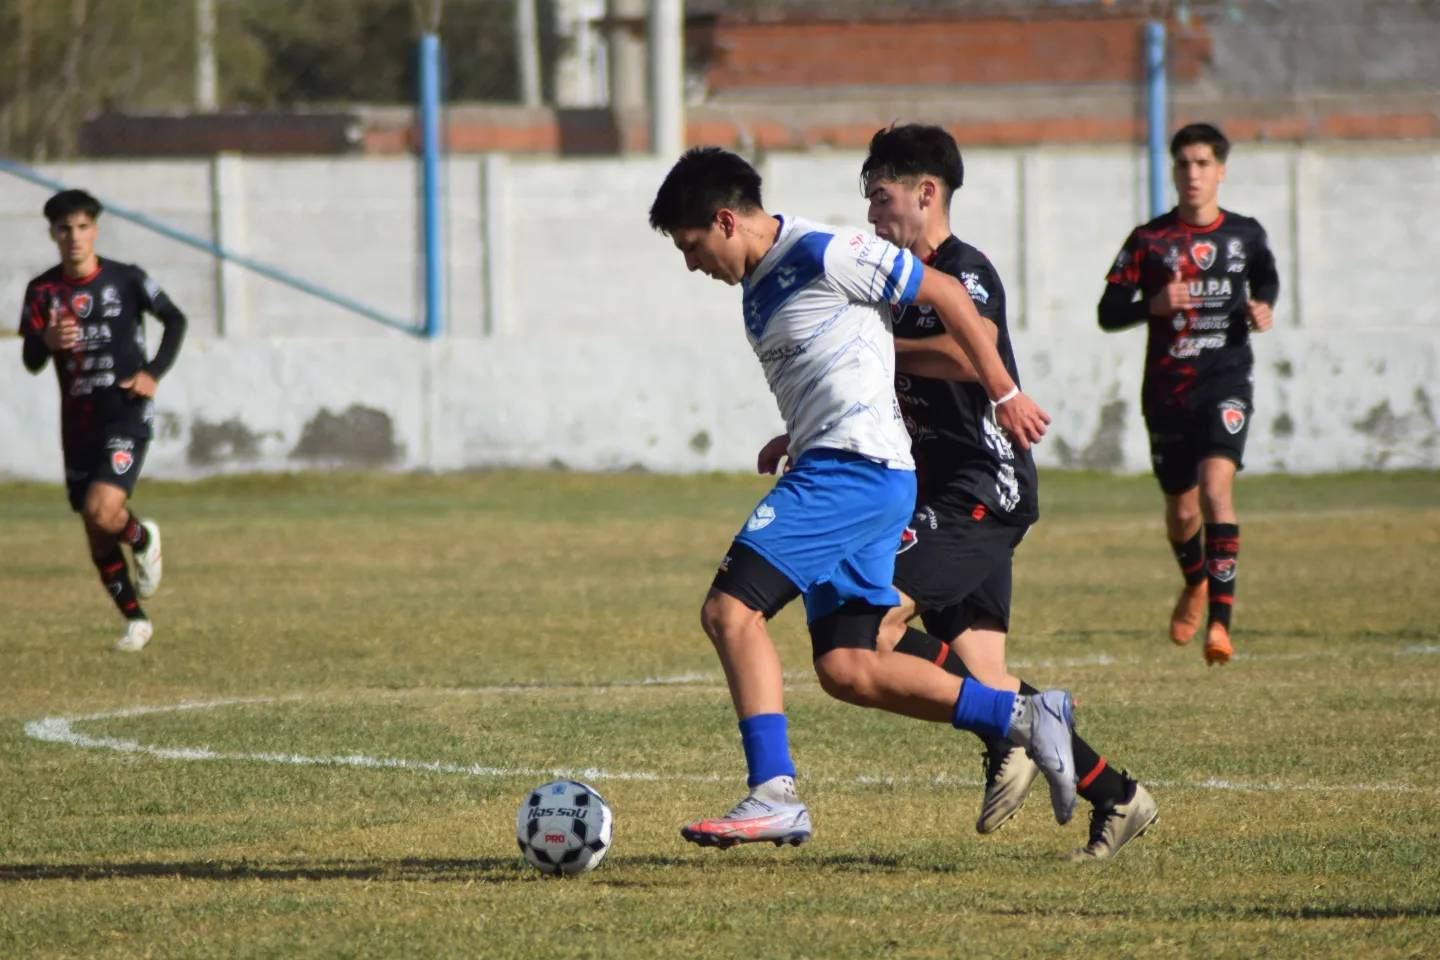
x=913, y=150
x=702, y=182
x=66, y=202
x=1200, y=133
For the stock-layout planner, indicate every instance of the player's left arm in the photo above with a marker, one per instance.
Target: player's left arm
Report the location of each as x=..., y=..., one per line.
x=1015, y=412
x=154, y=300
x=1264, y=281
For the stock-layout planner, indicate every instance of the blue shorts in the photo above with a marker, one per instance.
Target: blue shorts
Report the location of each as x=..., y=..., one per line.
x=832, y=526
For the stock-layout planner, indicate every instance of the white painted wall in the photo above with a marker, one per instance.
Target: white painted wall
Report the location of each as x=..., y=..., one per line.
x=574, y=335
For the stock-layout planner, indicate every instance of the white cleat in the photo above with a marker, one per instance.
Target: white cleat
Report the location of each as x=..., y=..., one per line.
x=137, y=634
x=1113, y=827
x=1009, y=775
x=148, y=566
x=772, y=813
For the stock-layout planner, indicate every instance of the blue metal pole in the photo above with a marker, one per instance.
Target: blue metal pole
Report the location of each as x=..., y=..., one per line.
x=430, y=163
x=1155, y=75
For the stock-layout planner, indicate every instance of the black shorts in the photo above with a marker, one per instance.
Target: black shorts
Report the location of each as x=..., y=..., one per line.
x=748, y=577
x=1178, y=442
x=955, y=564
x=116, y=459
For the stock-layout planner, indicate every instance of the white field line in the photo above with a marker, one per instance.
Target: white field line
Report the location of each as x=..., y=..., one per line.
x=61, y=730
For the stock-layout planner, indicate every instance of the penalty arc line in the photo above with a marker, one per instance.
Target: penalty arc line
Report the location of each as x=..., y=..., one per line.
x=61, y=730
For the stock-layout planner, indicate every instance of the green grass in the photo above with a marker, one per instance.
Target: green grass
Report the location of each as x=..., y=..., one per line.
x=380, y=616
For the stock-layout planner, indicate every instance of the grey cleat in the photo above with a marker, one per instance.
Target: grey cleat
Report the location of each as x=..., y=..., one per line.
x=1113, y=827
x=1044, y=730
x=1009, y=775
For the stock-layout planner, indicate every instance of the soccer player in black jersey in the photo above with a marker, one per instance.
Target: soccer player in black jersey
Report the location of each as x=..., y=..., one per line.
x=88, y=314
x=977, y=492
x=1201, y=279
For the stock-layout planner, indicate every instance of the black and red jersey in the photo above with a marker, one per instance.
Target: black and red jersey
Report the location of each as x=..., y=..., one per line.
x=109, y=307
x=1207, y=348
x=962, y=457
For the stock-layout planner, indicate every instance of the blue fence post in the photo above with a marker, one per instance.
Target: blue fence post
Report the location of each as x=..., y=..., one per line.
x=1155, y=83
x=430, y=165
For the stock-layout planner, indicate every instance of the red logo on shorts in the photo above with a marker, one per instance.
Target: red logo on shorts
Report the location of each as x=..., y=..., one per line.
x=908, y=539
x=121, y=461
x=1232, y=415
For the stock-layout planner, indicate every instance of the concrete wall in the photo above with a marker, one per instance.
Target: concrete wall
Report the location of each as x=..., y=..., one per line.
x=574, y=336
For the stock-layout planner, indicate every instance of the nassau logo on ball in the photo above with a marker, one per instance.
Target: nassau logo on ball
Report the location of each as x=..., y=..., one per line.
x=564, y=827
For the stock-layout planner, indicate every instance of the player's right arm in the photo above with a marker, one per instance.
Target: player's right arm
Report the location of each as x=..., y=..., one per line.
x=1124, y=303
x=46, y=329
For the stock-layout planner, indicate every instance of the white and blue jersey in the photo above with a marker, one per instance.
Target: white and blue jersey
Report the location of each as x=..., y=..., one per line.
x=817, y=315
x=817, y=312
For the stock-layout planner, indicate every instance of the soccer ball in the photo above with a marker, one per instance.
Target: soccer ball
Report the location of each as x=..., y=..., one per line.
x=563, y=827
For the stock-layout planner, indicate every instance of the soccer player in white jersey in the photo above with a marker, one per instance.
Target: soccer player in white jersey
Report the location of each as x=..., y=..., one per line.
x=817, y=313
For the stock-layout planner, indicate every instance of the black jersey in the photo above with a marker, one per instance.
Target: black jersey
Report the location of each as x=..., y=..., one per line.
x=1196, y=352
x=109, y=308
x=962, y=457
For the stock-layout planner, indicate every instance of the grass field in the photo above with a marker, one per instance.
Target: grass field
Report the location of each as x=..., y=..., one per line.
x=375, y=669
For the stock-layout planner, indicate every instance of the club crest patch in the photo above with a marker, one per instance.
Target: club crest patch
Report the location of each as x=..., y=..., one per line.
x=1203, y=253
x=81, y=304
x=1232, y=416
x=763, y=516
x=1223, y=569
x=121, y=461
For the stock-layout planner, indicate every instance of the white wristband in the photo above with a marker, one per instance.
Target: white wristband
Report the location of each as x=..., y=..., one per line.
x=1011, y=395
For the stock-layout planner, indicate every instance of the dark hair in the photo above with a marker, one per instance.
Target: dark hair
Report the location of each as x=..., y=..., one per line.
x=1200, y=133
x=702, y=182
x=913, y=150
x=66, y=202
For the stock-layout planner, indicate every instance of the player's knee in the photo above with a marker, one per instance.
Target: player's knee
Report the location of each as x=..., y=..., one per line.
x=723, y=617
x=103, y=515
x=848, y=675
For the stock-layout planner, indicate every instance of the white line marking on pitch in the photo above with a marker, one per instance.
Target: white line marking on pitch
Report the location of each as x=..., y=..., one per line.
x=62, y=730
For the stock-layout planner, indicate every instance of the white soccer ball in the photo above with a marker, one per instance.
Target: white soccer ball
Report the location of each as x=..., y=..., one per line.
x=563, y=827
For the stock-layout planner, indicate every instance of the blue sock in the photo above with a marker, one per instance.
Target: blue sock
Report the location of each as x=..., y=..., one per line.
x=767, y=747
x=983, y=709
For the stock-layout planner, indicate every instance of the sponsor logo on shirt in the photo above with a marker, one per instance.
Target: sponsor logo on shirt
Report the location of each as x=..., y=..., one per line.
x=974, y=287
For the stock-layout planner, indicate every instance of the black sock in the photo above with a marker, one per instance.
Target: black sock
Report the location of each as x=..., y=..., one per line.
x=1222, y=551
x=1191, y=557
x=917, y=643
x=920, y=644
x=1099, y=783
x=134, y=534
x=115, y=576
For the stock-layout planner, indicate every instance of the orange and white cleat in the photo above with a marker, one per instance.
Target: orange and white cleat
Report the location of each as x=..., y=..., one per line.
x=771, y=813
x=1217, y=645
x=1185, y=618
